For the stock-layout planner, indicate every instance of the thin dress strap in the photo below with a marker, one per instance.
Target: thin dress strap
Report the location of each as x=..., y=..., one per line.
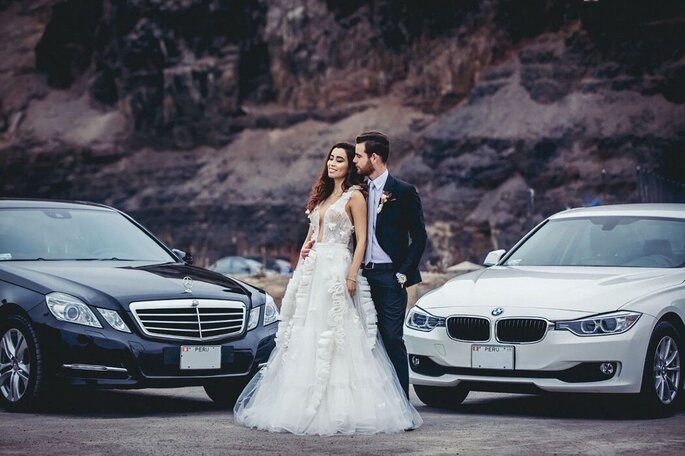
x=348, y=193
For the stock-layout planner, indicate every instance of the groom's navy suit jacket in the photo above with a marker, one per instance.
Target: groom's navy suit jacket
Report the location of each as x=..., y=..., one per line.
x=400, y=228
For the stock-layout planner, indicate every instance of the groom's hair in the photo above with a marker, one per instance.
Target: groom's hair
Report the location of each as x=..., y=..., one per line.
x=375, y=142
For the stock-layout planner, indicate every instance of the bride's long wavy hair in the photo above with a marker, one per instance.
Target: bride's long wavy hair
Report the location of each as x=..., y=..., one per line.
x=323, y=187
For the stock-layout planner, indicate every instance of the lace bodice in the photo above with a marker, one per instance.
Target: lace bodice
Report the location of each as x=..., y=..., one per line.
x=337, y=226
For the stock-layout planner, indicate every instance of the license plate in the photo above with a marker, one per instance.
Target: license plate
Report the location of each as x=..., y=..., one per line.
x=492, y=356
x=200, y=357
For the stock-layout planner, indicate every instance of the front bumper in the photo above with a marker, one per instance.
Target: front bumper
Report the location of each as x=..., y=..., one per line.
x=560, y=362
x=106, y=358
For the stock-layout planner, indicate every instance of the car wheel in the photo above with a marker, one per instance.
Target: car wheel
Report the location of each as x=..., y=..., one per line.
x=225, y=393
x=662, y=382
x=441, y=396
x=22, y=371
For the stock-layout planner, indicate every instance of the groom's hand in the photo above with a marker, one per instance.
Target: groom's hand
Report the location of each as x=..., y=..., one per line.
x=304, y=253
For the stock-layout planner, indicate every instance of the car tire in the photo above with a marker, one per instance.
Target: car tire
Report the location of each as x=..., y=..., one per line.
x=225, y=393
x=22, y=366
x=446, y=397
x=662, y=380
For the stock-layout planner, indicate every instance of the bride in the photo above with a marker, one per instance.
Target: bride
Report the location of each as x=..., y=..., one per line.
x=329, y=372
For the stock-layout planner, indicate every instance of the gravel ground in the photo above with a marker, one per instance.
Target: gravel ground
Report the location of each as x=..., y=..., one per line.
x=185, y=421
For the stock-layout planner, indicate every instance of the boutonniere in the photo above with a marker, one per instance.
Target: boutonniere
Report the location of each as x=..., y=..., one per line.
x=386, y=197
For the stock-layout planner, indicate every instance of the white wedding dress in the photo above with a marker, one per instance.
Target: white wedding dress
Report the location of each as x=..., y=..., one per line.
x=329, y=372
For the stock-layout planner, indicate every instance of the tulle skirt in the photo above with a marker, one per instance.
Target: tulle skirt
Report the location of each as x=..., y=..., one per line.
x=329, y=372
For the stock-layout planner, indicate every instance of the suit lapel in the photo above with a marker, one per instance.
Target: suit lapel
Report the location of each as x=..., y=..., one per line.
x=387, y=188
x=389, y=184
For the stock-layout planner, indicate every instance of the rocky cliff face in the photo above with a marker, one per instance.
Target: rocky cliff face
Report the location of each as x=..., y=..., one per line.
x=208, y=120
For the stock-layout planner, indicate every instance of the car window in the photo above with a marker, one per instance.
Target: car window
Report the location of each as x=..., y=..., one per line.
x=252, y=265
x=74, y=234
x=240, y=267
x=604, y=241
x=235, y=265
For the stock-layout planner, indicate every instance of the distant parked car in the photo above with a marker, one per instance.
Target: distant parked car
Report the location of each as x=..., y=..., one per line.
x=282, y=266
x=275, y=265
x=236, y=265
x=89, y=298
x=590, y=301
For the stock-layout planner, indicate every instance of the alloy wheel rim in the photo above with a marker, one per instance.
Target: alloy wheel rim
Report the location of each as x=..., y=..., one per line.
x=15, y=365
x=666, y=370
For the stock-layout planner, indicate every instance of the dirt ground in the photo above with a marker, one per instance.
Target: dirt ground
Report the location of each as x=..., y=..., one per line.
x=185, y=421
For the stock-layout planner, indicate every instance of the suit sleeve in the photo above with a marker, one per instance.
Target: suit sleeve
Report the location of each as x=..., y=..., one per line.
x=417, y=232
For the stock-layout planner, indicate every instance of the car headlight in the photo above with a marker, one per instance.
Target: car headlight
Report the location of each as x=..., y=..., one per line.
x=600, y=325
x=68, y=308
x=421, y=320
x=270, y=311
x=253, y=319
x=112, y=317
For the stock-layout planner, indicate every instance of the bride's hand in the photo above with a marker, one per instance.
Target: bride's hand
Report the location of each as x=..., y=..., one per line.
x=304, y=253
x=351, y=286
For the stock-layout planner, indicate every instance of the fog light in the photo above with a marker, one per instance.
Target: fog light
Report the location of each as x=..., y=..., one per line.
x=415, y=360
x=607, y=368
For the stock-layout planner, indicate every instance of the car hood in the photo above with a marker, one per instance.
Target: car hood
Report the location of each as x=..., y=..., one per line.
x=109, y=284
x=580, y=290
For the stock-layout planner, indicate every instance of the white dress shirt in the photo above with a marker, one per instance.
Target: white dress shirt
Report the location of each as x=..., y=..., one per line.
x=374, y=252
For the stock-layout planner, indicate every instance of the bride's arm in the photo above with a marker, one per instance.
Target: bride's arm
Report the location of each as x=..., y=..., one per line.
x=357, y=208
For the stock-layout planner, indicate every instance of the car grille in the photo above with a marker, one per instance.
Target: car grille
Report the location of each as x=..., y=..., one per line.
x=195, y=319
x=521, y=330
x=468, y=328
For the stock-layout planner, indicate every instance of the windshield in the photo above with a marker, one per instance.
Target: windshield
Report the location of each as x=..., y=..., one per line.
x=605, y=241
x=74, y=234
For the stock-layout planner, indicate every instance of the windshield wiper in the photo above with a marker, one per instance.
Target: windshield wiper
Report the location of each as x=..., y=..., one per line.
x=104, y=259
x=32, y=259
x=71, y=259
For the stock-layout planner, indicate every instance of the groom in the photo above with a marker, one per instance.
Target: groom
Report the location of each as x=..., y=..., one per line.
x=396, y=240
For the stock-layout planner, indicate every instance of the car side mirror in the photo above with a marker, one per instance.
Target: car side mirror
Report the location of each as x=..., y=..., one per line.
x=493, y=257
x=183, y=256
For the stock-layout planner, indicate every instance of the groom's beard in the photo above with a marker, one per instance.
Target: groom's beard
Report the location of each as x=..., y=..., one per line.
x=364, y=172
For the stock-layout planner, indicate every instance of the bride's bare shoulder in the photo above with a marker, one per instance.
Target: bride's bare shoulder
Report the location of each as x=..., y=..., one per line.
x=356, y=197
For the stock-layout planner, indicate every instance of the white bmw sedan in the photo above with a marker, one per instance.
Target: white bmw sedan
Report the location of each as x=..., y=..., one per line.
x=590, y=301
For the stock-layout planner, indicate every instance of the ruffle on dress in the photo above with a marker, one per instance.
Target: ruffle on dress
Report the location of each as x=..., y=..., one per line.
x=366, y=310
x=295, y=300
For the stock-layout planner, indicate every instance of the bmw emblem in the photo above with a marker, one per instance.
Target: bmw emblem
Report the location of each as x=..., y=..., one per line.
x=497, y=311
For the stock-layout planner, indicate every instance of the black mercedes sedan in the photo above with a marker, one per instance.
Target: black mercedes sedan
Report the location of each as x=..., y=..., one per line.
x=88, y=297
